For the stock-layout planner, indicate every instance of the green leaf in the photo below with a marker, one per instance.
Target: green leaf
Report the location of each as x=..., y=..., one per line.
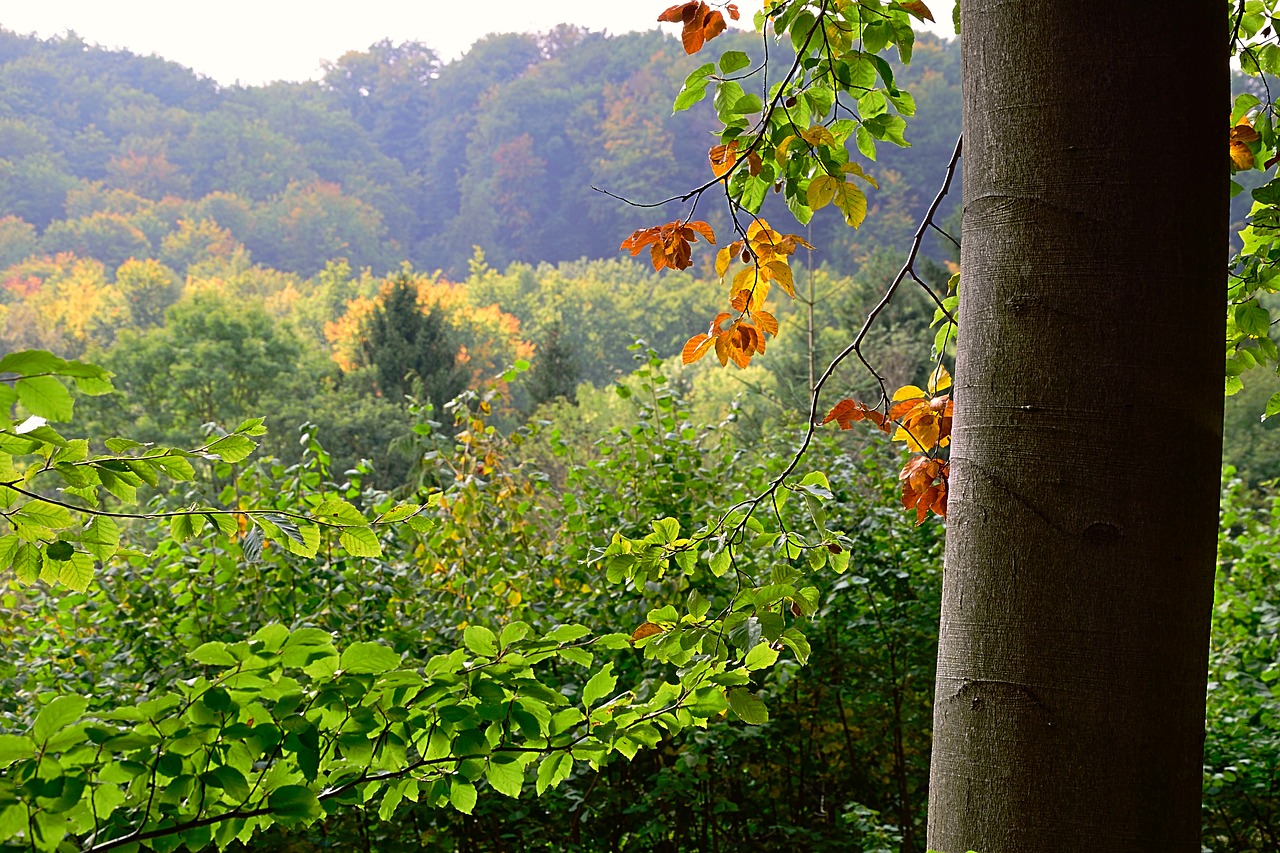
x=294, y=804
x=505, y=774
x=733, y=60
x=398, y=513
x=232, y=448
x=44, y=515
x=31, y=361
x=13, y=747
x=232, y=781
x=101, y=537
x=360, y=542
x=60, y=550
x=27, y=561
x=338, y=511
x=514, y=632
x=253, y=426
x=566, y=633
x=77, y=572
x=599, y=686
x=57, y=715
x=176, y=467
x=45, y=396
x=1252, y=319
x=668, y=530
x=368, y=658
x=1273, y=406
x=480, y=641
x=694, y=88
x=747, y=706
x=553, y=770
x=212, y=654
x=462, y=794
x=761, y=656
x=181, y=528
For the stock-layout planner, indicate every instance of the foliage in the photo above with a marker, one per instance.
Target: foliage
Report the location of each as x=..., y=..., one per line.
x=1241, y=768
x=462, y=566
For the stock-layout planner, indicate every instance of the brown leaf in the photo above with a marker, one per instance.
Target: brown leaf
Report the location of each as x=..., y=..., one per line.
x=648, y=629
x=713, y=26
x=675, y=14
x=917, y=8
x=924, y=486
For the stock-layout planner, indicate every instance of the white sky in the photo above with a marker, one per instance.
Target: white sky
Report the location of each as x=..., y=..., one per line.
x=257, y=41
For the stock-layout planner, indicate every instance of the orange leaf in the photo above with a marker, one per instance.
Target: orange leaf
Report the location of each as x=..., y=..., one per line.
x=732, y=9
x=713, y=26
x=848, y=412
x=675, y=14
x=696, y=348
x=704, y=229
x=648, y=629
x=924, y=486
x=692, y=36
x=723, y=158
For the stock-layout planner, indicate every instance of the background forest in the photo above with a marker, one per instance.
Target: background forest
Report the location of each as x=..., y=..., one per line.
x=361, y=261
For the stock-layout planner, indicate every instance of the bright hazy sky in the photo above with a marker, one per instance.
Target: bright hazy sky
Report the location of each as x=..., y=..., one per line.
x=257, y=41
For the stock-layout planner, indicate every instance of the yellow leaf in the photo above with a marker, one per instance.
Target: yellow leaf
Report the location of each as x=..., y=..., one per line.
x=852, y=168
x=781, y=151
x=939, y=380
x=780, y=272
x=767, y=322
x=744, y=280
x=753, y=287
x=1241, y=156
x=818, y=135
x=909, y=392
x=724, y=257
x=922, y=437
x=852, y=203
x=821, y=190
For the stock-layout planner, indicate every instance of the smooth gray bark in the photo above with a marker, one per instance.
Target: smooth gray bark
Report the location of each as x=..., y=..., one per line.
x=1085, y=465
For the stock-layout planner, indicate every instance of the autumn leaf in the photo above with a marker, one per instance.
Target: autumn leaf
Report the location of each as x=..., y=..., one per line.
x=917, y=8
x=924, y=486
x=939, y=380
x=669, y=243
x=924, y=420
x=696, y=348
x=852, y=202
x=818, y=135
x=1241, y=135
x=701, y=23
x=780, y=271
x=822, y=190
x=848, y=412
x=648, y=629
x=852, y=168
x=723, y=158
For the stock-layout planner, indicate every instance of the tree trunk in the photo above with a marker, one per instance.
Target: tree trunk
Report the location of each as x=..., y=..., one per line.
x=1085, y=465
